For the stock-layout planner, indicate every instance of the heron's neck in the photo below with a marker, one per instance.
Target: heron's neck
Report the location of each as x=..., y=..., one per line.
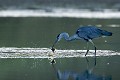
x=66, y=37
x=73, y=37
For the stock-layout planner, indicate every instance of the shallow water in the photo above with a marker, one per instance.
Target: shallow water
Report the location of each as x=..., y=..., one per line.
x=26, y=42
x=41, y=32
x=35, y=63
x=74, y=68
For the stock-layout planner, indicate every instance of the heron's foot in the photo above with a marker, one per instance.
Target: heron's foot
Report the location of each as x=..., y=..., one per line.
x=53, y=49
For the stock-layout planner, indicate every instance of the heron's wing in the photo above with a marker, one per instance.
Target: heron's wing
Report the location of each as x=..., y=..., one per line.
x=89, y=32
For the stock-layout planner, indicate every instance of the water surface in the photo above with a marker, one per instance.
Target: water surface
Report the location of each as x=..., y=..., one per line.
x=28, y=32
x=17, y=69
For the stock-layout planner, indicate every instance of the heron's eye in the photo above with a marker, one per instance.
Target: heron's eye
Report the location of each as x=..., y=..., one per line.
x=77, y=31
x=58, y=36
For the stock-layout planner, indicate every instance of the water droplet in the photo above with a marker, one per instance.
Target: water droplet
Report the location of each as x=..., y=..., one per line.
x=105, y=40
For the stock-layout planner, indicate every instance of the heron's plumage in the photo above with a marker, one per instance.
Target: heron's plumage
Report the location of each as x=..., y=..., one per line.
x=86, y=33
x=91, y=32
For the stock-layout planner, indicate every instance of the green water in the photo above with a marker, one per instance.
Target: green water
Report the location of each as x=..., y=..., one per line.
x=41, y=69
x=41, y=33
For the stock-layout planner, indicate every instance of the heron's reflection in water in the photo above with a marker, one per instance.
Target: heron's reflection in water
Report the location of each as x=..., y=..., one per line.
x=85, y=75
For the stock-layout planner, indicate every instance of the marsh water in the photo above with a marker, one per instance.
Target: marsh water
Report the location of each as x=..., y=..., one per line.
x=27, y=32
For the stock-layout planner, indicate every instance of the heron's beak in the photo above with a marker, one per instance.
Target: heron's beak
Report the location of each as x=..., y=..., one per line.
x=53, y=49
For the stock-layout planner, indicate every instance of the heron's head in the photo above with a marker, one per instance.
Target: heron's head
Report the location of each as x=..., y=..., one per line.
x=58, y=38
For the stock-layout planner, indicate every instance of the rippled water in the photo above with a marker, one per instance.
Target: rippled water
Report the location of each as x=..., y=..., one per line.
x=47, y=53
x=59, y=12
x=63, y=8
x=26, y=42
x=28, y=29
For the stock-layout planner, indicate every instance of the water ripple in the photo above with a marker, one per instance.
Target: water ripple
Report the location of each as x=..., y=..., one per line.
x=47, y=53
x=72, y=13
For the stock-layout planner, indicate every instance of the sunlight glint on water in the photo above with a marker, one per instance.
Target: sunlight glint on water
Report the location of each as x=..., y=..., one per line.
x=73, y=13
x=47, y=53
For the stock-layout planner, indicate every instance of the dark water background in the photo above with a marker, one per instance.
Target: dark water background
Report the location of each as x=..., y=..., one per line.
x=40, y=32
x=48, y=4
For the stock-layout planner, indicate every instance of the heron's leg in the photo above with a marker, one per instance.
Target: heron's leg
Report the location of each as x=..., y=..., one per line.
x=95, y=49
x=93, y=45
x=87, y=48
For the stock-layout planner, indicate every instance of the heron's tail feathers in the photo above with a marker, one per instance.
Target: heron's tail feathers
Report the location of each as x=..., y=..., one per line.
x=106, y=33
